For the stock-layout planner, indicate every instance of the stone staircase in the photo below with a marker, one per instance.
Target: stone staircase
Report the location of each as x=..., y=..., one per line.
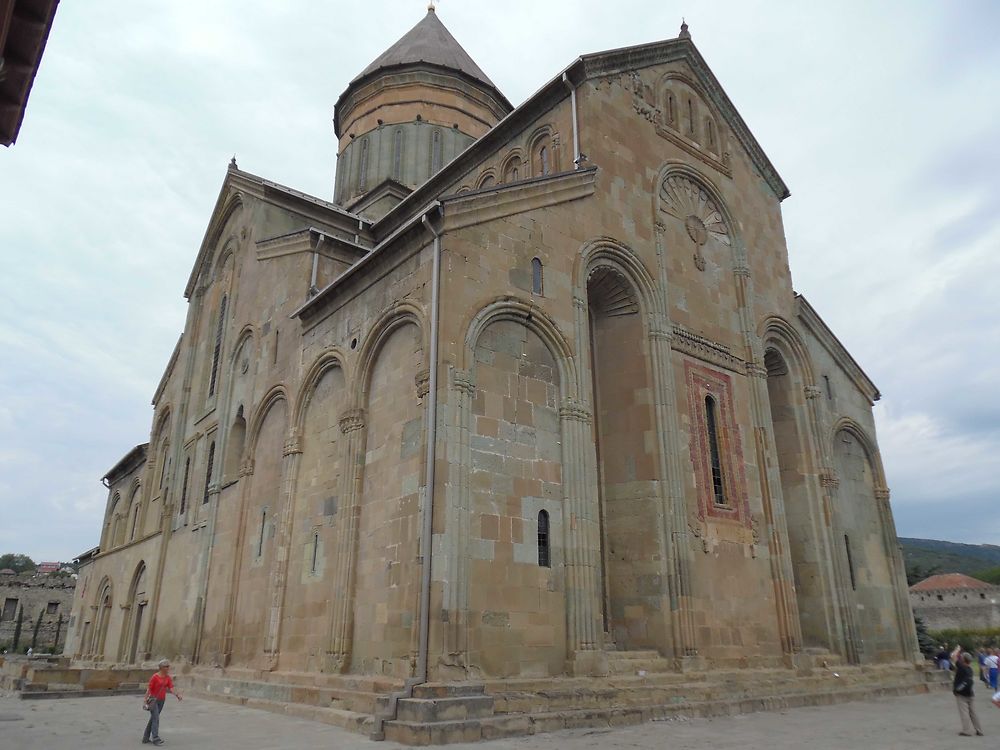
x=444, y=714
x=346, y=701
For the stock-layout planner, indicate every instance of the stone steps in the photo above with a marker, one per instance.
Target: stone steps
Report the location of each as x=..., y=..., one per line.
x=620, y=708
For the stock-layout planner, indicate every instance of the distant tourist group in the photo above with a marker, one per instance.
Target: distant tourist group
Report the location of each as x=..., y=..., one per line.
x=961, y=661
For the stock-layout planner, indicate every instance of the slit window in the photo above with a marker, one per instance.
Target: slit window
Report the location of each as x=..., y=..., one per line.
x=436, y=151
x=363, y=166
x=218, y=346
x=184, y=487
x=537, y=278
x=543, y=160
x=397, y=154
x=135, y=521
x=208, y=472
x=544, y=552
x=260, y=539
x=850, y=562
x=671, y=108
x=690, y=117
x=718, y=486
x=315, y=551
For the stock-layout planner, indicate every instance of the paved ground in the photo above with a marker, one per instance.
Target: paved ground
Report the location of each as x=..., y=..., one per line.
x=922, y=722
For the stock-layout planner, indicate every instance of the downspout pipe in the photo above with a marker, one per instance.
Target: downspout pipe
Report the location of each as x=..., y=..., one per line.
x=576, y=123
x=427, y=519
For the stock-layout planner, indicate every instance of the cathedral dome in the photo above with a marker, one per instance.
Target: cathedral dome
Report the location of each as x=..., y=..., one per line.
x=408, y=113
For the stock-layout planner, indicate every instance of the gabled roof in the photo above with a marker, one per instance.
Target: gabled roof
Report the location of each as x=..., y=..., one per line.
x=129, y=461
x=949, y=582
x=431, y=43
x=584, y=68
x=239, y=181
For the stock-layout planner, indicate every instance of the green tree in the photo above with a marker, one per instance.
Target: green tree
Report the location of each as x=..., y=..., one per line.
x=17, y=562
x=915, y=573
x=990, y=575
x=925, y=643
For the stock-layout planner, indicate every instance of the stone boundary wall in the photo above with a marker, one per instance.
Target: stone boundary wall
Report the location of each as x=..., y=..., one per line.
x=30, y=596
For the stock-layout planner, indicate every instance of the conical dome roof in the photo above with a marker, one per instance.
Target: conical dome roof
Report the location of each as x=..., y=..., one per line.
x=431, y=43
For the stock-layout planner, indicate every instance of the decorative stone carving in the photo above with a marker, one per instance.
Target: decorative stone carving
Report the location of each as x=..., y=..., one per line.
x=423, y=382
x=683, y=199
x=246, y=468
x=462, y=381
x=293, y=444
x=812, y=391
x=882, y=493
x=755, y=370
x=829, y=478
x=692, y=344
x=352, y=420
x=573, y=410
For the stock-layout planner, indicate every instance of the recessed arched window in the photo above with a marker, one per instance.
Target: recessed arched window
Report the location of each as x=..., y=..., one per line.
x=397, y=154
x=487, y=181
x=184, y=487
x=135, y=521
x=436, y=151
x=543, y=160
x=363, y=165
x=544, y=552
x=208, y=472
x=710, y=133
x=537, y=278
x=715, y=455
x=218, y=346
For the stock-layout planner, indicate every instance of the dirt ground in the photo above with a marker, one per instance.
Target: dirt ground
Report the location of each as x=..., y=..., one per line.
x=921, y=722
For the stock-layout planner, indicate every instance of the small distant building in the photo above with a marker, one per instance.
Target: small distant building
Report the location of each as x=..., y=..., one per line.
x=46, y=568
x=954, y=600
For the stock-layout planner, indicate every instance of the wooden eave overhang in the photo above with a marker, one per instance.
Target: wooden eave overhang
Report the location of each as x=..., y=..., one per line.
x=24, y=30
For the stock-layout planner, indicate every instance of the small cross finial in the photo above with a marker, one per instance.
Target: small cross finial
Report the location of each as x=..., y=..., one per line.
x=232, y=162
x=685, y=34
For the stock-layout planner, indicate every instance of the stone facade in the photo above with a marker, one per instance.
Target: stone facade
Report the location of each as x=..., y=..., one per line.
x=42, y=603
x=557, y=399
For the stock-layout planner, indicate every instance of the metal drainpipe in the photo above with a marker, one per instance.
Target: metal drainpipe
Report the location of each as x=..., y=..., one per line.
x=576, y=125
x=423, y=645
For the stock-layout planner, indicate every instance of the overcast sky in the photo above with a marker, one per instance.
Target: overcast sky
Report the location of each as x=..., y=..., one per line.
x=883, y=119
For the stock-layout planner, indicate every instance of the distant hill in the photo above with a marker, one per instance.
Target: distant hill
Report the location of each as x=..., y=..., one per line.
x=925, y=555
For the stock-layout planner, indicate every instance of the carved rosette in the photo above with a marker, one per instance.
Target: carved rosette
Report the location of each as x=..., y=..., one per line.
x=683, y=199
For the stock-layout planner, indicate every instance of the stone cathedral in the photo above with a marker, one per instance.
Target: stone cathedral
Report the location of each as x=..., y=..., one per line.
x=530, y=402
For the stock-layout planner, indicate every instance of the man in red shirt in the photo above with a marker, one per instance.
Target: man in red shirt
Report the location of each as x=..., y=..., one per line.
x=156, y=694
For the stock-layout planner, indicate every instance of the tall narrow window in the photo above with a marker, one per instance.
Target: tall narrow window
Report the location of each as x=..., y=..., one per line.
x=208, y=472
x=690, y=117
x=397, y=154
x=315, y=551
x=543, y=160
x=710, y=133
x=363, y=166
x=536, y=276
x=274, y=356
x=184, y=487
x=718, y=488
x=436, y=149
x=829, y=388
x=544, y=556
x=218, y=346
x=135, y=520
x=260, y=540
x=850, y=561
